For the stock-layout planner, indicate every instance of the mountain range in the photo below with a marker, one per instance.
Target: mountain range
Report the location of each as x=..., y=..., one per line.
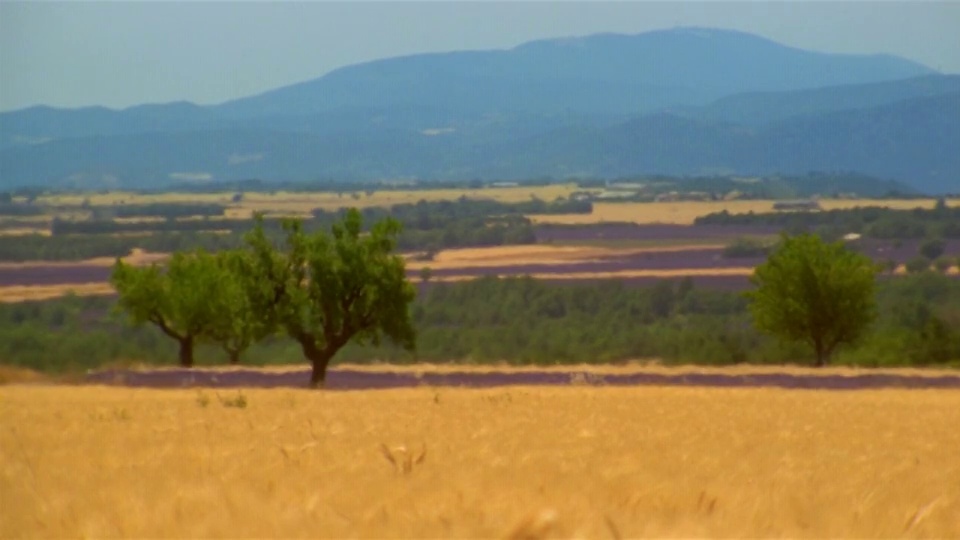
x=686, y=101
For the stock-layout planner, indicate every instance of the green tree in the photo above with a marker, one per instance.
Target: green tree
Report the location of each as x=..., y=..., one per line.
x=236, y=324
x=180, y=301
x=932, y=248
x=326, y=290
x=814, y=292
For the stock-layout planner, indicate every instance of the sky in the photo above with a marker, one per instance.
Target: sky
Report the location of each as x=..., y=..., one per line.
x=119, y=54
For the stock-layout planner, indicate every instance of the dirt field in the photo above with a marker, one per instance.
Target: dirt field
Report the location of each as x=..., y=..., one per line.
x=683, y=213
x=520, y=462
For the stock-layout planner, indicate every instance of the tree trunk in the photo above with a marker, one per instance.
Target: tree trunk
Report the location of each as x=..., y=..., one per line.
x=186, y=352
x=319, y=360
x=234, y=357
x=821, y=359
x=823, y=353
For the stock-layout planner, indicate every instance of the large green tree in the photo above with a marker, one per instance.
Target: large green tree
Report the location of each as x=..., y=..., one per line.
x=814, y=292
x=179, y=300
x=328, y=289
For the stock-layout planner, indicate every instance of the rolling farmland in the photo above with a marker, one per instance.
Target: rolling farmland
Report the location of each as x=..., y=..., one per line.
x=517, y=462
x=635, y=254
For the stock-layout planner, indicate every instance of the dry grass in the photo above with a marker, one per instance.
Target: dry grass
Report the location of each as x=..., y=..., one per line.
x=683, y=213
x=521, y=255
x=518, y=462
x=24, y=293
x=25, y=231
x=672, y=273
x=137, y=256
x=18, y=375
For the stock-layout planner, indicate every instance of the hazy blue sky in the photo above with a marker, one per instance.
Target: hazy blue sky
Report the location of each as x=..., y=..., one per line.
x=123, y=53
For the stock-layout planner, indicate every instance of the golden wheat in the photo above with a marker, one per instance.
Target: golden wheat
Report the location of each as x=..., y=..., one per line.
x=684, y=213
x=523, y=462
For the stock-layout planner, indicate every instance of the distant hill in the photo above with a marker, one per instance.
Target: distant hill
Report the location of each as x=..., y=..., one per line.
x=758, y=108
x=605, y=73
x=683, y=101
x=912, y=140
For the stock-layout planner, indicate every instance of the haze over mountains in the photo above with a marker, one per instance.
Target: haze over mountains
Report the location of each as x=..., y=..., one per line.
x=684, y=102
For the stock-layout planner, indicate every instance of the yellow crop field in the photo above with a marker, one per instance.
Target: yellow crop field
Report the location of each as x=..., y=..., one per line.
x=300, y=203
x=683, y=213
x=28, y=293
x=520, y=462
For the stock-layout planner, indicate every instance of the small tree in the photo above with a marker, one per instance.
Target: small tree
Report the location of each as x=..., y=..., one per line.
x=237, y=324
x=932, y=248
x=326, y=290
x=425, y=274
x=814, y=292
x=179, y=301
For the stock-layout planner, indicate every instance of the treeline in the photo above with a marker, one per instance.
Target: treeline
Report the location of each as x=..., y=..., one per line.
x=60, y=227
x=162, y=210
x=255, y=185
x=13, y=209
x=37, y=247
x=427, y=226
x=525, y=321
x=873, y=222
x=825, y=184
x=432, y=226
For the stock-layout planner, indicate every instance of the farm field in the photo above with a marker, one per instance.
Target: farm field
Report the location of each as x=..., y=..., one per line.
x=520, y=462
x=685, y=212
x=304, y=203
x=639, y=254
x=301, y=204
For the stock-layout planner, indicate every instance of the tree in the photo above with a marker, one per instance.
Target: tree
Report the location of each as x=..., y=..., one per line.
x=236, y=324
x=814, y=292
x=180, y=300
x=425, y=274
x=932, y=248
x=326, y=290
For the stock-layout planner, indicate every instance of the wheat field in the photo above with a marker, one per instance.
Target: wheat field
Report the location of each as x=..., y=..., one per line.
x=520, y=462
x=295, y=203
x=685, y=212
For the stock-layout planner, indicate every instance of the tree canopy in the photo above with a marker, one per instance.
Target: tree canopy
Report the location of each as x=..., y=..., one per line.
x=327, y=290
x=814, y=292
x=180, y=300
